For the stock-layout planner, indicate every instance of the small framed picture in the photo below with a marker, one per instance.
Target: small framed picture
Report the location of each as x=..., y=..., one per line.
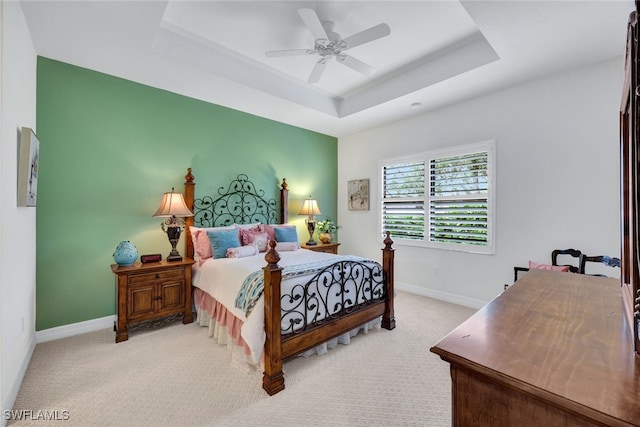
x=358, y=191
x=28, y=168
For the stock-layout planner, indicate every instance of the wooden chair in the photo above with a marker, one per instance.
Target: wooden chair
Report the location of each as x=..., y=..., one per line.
x=569, y=252
x=517, y=270
x=575, y=253
x=599, y=259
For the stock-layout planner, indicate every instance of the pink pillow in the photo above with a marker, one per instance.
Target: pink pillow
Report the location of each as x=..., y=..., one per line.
x=270, y=232
x=270, y=229
x=537, y=266
x=287, y=246
x=202, y=245
x=254, y=237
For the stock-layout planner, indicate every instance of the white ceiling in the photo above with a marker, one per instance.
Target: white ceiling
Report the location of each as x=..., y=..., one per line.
x=438, y=52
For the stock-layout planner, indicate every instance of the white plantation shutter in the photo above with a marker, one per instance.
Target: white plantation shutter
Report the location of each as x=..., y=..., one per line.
x=458, y=202
x=403, y=202
x=441, y=199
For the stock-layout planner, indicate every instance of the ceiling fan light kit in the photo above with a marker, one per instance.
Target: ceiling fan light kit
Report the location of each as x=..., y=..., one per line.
x=328, y=44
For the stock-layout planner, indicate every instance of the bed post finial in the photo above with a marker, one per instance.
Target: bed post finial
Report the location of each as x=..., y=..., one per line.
x=284, y=202
x=388, y=318
x=388, y=241
x=272, y=256
x=189, y=197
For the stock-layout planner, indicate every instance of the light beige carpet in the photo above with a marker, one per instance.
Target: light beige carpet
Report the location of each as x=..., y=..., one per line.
x=177, y=376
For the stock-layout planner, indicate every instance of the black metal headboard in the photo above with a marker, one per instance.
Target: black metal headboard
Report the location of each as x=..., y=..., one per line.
x=239, y=203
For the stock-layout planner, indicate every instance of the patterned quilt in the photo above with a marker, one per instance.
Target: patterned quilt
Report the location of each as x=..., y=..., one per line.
x=253, y=286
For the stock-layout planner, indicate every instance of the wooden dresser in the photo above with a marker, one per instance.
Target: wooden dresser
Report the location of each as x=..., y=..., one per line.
x=552, y=350
x=151, y=291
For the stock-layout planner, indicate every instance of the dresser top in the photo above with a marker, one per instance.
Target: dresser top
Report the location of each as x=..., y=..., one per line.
x=561, y=337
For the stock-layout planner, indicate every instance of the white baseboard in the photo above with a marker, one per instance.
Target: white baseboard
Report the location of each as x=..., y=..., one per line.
x=107, y=322
x=14, y=388
x=442, y=296
x=74, y=329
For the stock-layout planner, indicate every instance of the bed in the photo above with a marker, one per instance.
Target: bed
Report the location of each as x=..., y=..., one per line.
x=285, y=301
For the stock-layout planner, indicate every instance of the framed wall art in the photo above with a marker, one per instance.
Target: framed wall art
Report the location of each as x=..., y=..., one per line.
x=28, y=168
x=358, y=191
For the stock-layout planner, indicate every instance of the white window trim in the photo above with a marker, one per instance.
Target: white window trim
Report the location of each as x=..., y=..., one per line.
x=489, y=147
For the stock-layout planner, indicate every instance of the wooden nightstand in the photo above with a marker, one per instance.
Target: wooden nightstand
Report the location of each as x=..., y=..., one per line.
x=151, y=291
x=331, y=248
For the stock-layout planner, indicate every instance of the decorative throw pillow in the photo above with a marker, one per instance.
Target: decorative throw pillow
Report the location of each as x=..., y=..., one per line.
x=221, y=240
x=255, y=225
x=537, y=266
x=241, y=251
x=201, y=242
x=255, y=238
x=286, y=234
x=270, y=229
x=287, y=246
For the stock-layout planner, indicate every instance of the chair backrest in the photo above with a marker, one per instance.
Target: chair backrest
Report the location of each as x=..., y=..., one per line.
x=568, y=252
x=517, y=270
x=600, y=259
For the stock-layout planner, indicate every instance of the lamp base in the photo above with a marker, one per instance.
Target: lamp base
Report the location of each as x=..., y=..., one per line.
x=311, y=227
x=174, y=237
x=171, y=257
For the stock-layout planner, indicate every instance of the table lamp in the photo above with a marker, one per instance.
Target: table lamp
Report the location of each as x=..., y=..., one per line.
x=310, y=208
x=173, y=209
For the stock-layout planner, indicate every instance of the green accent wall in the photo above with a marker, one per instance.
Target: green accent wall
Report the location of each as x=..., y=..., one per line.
x=111, y=147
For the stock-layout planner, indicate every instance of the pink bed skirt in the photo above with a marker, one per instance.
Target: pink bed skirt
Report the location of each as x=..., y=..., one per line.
x=219, y=316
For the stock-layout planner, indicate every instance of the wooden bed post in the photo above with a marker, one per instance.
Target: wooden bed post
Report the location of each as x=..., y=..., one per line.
x=284, y=202
x=388, y=318
x=273, y=378
x=189, y=198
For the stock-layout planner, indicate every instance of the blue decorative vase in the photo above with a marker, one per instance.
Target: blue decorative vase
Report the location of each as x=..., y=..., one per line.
x=126, y=253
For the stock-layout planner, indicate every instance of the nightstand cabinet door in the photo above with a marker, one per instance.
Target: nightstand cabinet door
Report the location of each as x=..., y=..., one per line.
x=171, y=296
x=140, y=301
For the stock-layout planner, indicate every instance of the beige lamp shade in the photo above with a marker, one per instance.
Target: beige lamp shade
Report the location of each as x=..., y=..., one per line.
x=173, y=204
x=310, y=207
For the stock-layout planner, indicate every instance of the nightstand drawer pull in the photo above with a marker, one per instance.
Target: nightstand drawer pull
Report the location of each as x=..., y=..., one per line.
x=158, y=276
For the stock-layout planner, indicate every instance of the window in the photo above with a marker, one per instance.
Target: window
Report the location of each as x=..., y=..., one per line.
x=441, y=199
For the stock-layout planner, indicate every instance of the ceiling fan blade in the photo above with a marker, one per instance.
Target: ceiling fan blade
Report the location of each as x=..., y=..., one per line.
x=356, y=64
x=317, y=71
x=365, y=36
x=313, y=23
x=290, y=52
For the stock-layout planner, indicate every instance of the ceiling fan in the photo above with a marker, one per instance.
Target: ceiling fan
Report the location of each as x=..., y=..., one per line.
x=329, y=44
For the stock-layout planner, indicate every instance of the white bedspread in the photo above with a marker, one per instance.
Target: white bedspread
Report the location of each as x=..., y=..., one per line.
x=222, y=279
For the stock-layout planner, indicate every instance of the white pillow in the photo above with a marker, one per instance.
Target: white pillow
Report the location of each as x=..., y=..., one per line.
x=242, y=251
